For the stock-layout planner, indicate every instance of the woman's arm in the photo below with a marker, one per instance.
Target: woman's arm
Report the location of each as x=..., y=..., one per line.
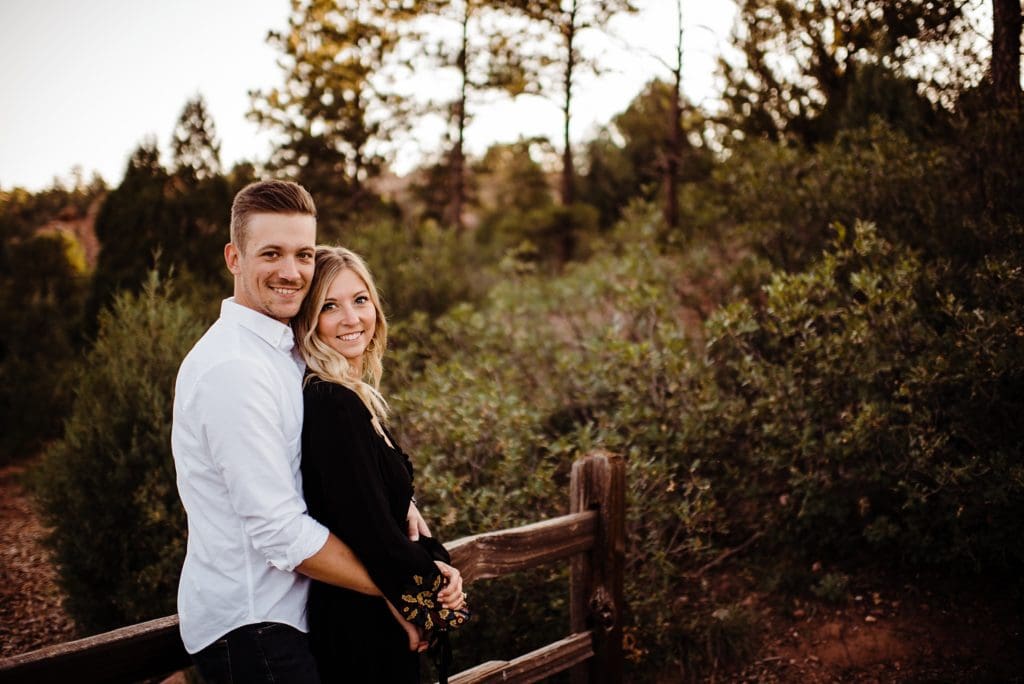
x=346, y=491
x=417, y=525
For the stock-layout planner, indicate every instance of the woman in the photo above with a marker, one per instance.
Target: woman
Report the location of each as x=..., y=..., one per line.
x=358, y=482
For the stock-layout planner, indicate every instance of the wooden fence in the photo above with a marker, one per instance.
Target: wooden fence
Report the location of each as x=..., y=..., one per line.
x=592, y=536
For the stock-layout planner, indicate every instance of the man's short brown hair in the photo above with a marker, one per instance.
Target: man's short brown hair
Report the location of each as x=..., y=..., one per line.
x=267, y=197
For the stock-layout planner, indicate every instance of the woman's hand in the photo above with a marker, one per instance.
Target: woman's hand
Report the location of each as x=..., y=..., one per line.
x=451, y=595
x=417, y=642
x=416, y=524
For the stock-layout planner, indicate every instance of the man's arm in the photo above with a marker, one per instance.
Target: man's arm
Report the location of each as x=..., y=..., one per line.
x=335, y=564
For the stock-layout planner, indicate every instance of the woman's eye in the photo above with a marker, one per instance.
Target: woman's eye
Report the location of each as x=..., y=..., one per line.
x=327, y=307
x=362, y=299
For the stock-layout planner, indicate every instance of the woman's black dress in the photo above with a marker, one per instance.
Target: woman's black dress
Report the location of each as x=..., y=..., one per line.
x=360, y=488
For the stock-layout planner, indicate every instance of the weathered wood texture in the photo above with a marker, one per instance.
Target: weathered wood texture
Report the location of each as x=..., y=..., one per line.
x=142, y=651
x=592, y=535
x=534, y=666
x=596, y=596
x=495, y=554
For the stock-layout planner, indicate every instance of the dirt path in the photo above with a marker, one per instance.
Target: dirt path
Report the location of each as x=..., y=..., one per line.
x=31, y=615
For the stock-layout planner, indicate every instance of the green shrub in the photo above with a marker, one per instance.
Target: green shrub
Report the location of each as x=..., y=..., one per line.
x=947, y=198
x=878, y=404
x=856, y=411
x=543, y=371
x=42, y=302
x=833, y=587
x=107, y=487
x=426, y=269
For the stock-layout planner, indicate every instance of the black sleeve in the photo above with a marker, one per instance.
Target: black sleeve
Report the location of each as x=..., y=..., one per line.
x=345, y=490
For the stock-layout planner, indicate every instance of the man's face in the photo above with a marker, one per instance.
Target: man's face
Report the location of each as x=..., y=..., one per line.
x=272, y=276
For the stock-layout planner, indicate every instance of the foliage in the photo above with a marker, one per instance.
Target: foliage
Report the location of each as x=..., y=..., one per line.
x=832, y=587
x=628, y=158
x=132, y=225
x=107, y=487
x=803, y=62
x=195, y=144
x=176, y=216
x=42, y=304
x=336, y=105
x=784, y=372
x=873, y=174
x=518, y=212
x=518, y=388
x=860, y=395
x=43, y=281
x=426, y=269
x=484, y=52
x=555, y=65
x=915, y=190
x=22, y=213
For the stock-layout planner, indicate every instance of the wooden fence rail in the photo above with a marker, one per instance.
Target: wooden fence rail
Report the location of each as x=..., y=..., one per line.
x=592, y=535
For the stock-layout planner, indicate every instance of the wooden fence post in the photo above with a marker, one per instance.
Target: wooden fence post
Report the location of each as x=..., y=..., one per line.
x=596, y=598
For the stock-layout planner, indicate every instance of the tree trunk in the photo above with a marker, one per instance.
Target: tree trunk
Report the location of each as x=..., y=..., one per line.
x=458, y=154
x=675, y=150
x=1005, y=66
x=568, y=170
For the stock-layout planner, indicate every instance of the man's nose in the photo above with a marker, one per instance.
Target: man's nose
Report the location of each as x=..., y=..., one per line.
x=289, y=268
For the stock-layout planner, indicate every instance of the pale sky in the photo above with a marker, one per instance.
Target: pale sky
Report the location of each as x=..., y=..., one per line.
x=85, y=81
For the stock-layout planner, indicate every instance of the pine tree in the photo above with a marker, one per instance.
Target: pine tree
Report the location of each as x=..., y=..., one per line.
x=337, y=106
x=804, y=60
x=194, y=142
x=560, y=62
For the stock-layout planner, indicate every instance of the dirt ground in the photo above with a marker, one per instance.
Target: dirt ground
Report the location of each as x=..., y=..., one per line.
x=882, y=634
x=31, y=615
x=902, y=634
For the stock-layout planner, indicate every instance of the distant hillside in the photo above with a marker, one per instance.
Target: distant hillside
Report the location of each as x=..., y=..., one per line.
x=70, y=220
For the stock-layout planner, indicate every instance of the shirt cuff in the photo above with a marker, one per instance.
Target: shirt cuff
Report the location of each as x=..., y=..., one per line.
x=311, y=539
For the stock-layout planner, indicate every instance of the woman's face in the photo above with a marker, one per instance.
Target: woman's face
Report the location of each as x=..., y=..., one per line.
x=347, y=318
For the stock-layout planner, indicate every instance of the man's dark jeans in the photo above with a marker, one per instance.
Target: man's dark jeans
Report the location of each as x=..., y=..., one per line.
x=266, y=652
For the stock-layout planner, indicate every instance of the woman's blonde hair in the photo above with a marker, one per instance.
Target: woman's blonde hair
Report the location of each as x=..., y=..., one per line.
x=323, y=361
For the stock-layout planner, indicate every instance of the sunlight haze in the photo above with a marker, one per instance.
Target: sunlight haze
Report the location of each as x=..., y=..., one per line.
x=87, y=82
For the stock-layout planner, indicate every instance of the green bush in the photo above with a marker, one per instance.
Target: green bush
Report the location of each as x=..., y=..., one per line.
x=857, y=411
x=541, y=372
x=878, y=405
x=426, y=269
x=42, y=302
x=107, y=487
x=948, y=198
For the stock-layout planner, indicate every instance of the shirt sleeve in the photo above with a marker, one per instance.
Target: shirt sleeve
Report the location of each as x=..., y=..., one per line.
x=345, y=487
x=241, y=422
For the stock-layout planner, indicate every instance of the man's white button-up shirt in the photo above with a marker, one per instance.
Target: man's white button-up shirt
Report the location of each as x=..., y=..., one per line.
x=236, y=442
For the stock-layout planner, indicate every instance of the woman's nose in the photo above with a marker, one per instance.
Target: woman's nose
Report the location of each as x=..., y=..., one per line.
x=348, y=315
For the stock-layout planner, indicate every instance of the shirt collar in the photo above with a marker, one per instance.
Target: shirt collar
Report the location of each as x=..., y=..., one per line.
x=276, y=333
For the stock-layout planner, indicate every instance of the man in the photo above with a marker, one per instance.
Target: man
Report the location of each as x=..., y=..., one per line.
x=235, y=438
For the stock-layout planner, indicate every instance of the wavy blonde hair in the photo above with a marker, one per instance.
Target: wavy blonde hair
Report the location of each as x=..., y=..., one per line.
x=323, y=361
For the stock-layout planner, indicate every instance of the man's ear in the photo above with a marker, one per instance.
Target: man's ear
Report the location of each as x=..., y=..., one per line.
x=231, y=257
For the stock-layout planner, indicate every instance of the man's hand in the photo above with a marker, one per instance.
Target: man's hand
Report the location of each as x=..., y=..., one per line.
x=452, y=596
x=416, y=524
x=415, y=635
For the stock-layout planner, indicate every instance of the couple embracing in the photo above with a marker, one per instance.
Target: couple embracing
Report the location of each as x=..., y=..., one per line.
x=307, y=559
